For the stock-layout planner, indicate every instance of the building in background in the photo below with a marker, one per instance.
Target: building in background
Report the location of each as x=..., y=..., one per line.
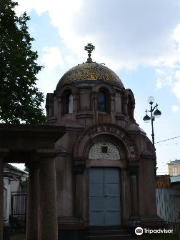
x=15, y=193
x=174, y=168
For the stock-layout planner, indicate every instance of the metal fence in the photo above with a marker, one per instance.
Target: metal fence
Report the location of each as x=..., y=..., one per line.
x=18, y=211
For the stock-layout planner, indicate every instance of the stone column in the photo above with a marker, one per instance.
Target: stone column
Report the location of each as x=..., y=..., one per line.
x=112, y=107
x=79, y=169
x=78, y=207
x=3, y=153
x=94, y=107
x=126, y=201
x=1, y=198
x=59, y=105
x=48, y=228
x=134, y=195
x=112, y=102
x=32, y=206
x=147, y=187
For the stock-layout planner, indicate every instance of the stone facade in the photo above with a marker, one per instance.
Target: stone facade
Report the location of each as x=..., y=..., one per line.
x=98, y=113
x=91, y=165
x=34, y=146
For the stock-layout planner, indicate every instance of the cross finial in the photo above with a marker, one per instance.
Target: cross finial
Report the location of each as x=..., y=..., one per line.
x=89, y=48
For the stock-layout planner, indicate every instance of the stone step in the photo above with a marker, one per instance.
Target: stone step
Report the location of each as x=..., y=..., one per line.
x=109, y=237
x=108, y=234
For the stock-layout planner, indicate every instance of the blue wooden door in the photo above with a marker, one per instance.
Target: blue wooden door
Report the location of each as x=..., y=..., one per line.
x=104, y=197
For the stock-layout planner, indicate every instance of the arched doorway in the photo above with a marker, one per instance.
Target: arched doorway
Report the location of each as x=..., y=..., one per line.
x=104, y=197
x=104, y=147
x=104, y=185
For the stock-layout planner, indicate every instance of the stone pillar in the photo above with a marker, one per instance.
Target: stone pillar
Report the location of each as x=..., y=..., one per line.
x=32, y=206
x=112, y=102
x=112, y=107
x=3, y=153
x=48, y=228
x=126, y=201
x=134, y=195
x=75, y=103
x=147, y=186
x=1, y=198
x=94, y=107
x=78, y=207
x=58, y=107
x=79, y=170
x=147, y=192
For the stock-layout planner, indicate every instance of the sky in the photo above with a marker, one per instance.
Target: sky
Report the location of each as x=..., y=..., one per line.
x=139, y=40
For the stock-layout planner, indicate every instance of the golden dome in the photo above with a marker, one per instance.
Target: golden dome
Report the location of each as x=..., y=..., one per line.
x=90, y=71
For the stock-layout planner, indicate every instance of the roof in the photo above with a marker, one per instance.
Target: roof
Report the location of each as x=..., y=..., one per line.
x=90, y=71
x=174, y=162
x=12, y=170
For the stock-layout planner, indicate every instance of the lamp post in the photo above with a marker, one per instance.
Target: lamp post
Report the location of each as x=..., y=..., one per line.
x=154, y=113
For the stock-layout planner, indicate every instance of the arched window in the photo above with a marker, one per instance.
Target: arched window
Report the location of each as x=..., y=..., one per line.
x=67, y=102
x=103, y=100
x=70, y=105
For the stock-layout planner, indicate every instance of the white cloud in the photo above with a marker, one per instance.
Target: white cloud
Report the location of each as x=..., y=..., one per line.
x=175, y=108
x=69, y=59
x=176, y=89
x=176, y=85
x=127, y=33
x=164, y=77
x=169, y=77
x=52, y=58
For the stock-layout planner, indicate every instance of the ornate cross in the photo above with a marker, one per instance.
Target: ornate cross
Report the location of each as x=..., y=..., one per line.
x=89, y=48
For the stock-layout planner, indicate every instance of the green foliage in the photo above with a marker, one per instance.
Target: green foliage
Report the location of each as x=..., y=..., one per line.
x=20, y=99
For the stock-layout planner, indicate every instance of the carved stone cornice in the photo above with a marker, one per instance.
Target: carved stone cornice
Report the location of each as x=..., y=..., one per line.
x=106, y=129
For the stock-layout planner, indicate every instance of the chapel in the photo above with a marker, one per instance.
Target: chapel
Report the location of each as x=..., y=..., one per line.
x=106, y=176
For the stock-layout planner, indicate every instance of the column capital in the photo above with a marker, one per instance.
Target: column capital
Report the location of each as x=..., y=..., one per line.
x=48, y=153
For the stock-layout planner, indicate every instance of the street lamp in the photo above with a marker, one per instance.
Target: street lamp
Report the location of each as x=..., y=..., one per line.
x=154, y=113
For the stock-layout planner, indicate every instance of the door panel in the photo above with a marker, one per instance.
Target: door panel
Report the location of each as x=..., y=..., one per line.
x=104, y=197
x=97, y=204
x=112, y=219
x=112, y=189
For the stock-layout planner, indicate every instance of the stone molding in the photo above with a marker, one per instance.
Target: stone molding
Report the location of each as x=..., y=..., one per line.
x=81, y=145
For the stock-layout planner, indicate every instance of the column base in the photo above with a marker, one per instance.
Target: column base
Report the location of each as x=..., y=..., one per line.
x=70, y=223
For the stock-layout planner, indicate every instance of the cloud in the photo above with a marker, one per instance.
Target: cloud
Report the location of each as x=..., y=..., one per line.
x=175, y=108
x=69, y=59
x=176, y=89
x=52, y=58
x=165, y=77
x=169, y=77
x=126, y=33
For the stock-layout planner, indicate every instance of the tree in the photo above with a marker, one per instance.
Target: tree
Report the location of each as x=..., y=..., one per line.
x=20, y=99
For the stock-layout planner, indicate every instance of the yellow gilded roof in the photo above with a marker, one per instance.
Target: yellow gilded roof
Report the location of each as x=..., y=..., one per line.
x=90, y=71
